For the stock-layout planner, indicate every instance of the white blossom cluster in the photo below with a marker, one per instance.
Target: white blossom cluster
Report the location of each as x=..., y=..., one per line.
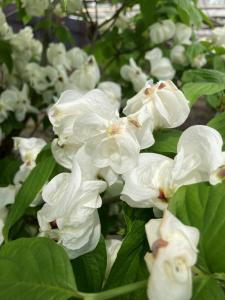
x=28, y=149
x=72, y=69
x=99, y=146
x=179, y=36
x=94, y=142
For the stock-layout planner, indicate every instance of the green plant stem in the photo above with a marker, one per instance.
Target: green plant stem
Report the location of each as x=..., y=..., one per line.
x=109, y=294
x=197, y=271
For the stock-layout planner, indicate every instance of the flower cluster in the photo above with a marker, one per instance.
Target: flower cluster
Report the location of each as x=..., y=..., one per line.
x=28, y=149
x=95, y=142
x=173, y=254
x=175, y=37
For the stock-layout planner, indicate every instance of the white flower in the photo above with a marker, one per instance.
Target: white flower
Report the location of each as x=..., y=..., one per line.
x=156, y=177
x=7, y=196
x=28, y=148
x=6, y=104
x=183, y=34
x=149, y=183
x=110, y=142
x=69, y=215
x=164, y=103
x=76, y=57
x=87, y=75
x=174, y=252
x=64, y=153
x=70, y=106
x=202, y=148
x=56, y=54
x=112, y=90
x=218, y=36
x=199, y=61
x=112, y=249
x=35, y=7
x=24, y=45
x=6, y=31
x=134, y=74
x=162, y=31
x=73, y=6
x=161, y=67
x=178, y=55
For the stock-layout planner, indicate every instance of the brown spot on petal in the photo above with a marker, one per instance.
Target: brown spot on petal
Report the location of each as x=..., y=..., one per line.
x=148, y=91
x=161, y=86
x=221, y=173
x=134, y=122
x=160, y=243
x=53, y=225
x=162, y=196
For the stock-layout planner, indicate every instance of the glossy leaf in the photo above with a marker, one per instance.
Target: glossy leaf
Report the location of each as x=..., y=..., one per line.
x=130, y=265
x=203, y=206
x=29, y=190
x=219, y=124
x=89, y=269
x=207, y=288
x=37, y=269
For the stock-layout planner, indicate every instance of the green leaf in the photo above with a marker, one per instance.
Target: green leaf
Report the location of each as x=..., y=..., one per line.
x=130, y=265
x=193, y=91
x=202, y=206
x=204, y=75
x=219, y=124
x=6, y=54
x=165, y=141
x=148, y=10
x=29, y=190
x=37, y=269
x=207, y=288
x=191, y=11
x=89, y=269
x=218, y=64
x=193, y=50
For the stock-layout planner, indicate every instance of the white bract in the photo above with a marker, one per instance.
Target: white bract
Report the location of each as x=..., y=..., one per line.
x=70, y=215
x=7, y=196
x=56, y=54
x=28, y=148
x=183, y=34
x=70, y=106
x=40, y=78
x=76, y=57
x=199, y=61
x=25, y=46
x=174, y=252
x=87, y=75
x=16, y=101
x=111, y=142
x=202, y=147
x=156, y=177
x=178, y=56
x=112, y=90
x=218, y=36
x=162, y=31
x=112, y=249
x=134, y=74
x=161, y=67
x=35, y=7
x=163, y=102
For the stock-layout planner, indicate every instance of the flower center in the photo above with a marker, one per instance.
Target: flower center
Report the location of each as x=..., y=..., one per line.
x=114, y=129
